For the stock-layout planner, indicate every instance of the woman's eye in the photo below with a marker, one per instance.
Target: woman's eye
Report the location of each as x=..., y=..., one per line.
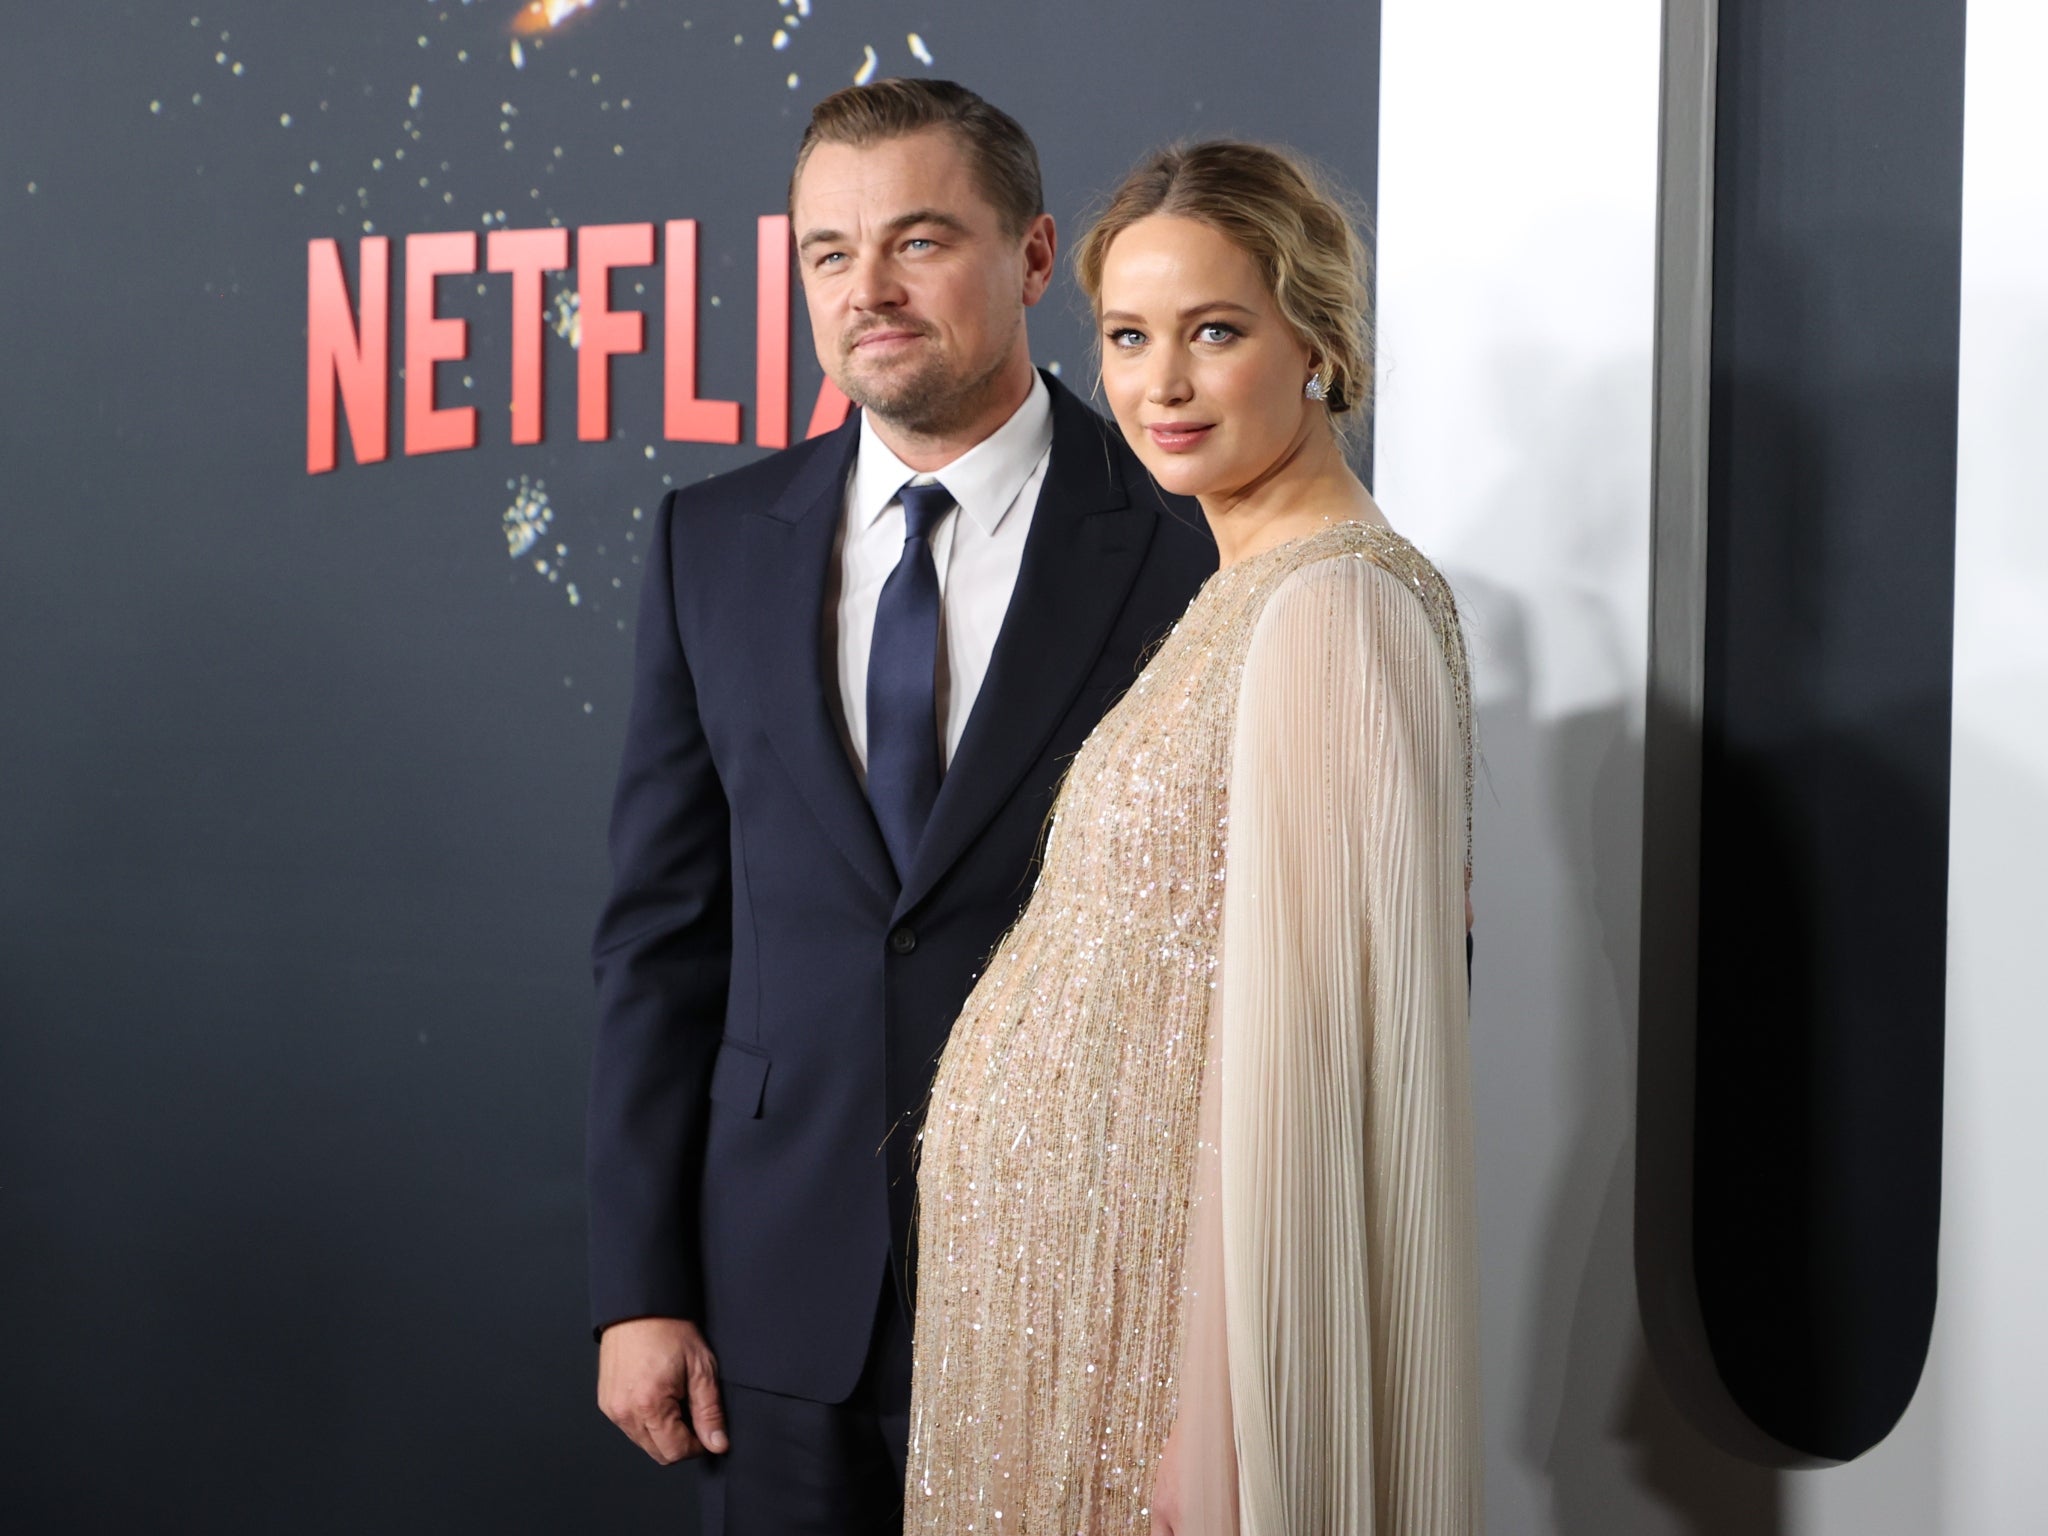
x=1126, y=338
x=1216, y=330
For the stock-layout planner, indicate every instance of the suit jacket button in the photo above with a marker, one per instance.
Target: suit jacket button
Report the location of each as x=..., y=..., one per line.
x=902, y=940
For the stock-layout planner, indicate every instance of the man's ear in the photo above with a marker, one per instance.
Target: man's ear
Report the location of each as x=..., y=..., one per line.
x=1041, y=256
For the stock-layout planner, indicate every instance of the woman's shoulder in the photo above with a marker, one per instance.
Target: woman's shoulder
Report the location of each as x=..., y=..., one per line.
x=1360, y=563
x=1358, y=600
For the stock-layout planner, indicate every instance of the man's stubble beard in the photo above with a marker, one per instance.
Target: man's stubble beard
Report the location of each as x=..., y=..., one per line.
x=929, y=401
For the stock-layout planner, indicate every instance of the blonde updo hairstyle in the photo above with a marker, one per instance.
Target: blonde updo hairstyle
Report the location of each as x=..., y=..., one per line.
x=1299, y=231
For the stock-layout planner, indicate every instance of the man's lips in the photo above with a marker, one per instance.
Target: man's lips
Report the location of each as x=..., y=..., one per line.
x=883, y=340
x=1179, y=436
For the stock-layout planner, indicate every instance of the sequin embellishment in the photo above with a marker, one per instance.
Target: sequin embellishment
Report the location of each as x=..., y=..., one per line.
x=1058, y=1154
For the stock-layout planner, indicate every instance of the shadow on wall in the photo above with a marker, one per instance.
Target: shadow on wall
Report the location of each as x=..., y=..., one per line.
x=1583, y=1439
x=1593, y=1424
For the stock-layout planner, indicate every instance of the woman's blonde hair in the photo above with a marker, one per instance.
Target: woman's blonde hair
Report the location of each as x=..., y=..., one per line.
x=1301, y=233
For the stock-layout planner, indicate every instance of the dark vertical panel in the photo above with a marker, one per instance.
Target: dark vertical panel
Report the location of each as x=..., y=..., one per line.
x=305, y=779
x=1826, y=732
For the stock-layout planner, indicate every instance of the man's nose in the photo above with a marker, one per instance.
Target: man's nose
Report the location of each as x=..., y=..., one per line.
x=877, y=285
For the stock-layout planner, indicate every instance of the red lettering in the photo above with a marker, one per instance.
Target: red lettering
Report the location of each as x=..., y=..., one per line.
x=685, y=418
x=430, y=339
x=348, y=345
x=528, y=254
x=771, y=331
x=831, y=410
x=353, y=353
x=606, y=332
x=771, y=345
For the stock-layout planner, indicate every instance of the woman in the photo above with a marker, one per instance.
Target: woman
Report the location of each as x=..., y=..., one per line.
x=1196, y=1247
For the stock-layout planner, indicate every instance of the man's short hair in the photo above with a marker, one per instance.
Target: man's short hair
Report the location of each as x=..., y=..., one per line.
x=1004, y=159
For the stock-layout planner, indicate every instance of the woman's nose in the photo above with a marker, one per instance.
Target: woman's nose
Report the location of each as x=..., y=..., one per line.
x=1168, y=383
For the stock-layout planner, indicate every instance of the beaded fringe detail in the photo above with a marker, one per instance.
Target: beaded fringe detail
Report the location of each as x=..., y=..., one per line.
x=1057, y=1161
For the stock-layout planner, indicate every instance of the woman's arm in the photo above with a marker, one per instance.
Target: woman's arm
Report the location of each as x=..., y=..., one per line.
x=1345, y=1241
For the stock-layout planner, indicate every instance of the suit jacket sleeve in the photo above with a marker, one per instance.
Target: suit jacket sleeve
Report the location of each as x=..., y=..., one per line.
x=662, y=954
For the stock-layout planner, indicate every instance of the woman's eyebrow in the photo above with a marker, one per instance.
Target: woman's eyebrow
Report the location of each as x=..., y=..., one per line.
x=1187, y=314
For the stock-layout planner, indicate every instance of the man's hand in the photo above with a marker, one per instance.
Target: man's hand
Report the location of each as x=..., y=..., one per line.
x=648, y=1369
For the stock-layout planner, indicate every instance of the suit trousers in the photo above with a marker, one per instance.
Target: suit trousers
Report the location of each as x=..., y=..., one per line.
x=799, y=1468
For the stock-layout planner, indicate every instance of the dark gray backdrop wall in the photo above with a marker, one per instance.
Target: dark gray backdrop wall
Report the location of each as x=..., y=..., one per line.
x=1825, y=743
x=305, y=777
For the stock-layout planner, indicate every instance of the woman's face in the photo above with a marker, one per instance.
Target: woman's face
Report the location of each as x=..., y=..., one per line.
x=1203, y=374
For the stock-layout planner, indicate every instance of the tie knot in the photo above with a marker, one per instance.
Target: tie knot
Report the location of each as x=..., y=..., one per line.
x=923, y=506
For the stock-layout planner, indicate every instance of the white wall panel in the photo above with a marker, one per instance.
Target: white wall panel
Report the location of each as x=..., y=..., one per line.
x=1516, y=221
x=1516, y=234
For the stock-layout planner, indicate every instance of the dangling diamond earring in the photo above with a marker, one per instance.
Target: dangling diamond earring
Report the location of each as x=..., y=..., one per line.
x=1316, y=389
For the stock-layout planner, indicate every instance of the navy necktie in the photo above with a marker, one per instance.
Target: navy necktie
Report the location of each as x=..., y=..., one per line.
x=903, y=661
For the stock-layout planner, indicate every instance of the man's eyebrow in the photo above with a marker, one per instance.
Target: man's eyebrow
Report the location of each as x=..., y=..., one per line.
x=937, y=216
x=933, y=216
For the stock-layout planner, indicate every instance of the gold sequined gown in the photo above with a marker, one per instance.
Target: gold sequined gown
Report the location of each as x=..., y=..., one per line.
x=1199, y=1149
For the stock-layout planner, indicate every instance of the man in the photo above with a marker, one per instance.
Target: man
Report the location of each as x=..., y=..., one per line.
x=862, y=664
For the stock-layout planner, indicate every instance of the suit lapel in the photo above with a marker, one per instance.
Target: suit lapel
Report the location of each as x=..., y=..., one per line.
x=1086, y=544
x=788, y=549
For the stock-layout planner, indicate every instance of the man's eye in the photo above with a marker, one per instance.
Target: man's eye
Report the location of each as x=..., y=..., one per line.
x=919, y=242
x=829, y=257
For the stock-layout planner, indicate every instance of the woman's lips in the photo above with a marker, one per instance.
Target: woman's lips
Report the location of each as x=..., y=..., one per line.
x=1179, y=436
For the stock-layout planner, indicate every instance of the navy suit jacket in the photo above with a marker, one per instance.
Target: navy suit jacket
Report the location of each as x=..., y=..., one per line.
x=772, y=1000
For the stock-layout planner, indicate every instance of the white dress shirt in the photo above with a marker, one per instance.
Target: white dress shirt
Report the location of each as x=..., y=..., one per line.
x=977, y=548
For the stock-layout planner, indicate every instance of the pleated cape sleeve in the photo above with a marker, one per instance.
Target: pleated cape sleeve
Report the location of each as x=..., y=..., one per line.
x=1330, y=1366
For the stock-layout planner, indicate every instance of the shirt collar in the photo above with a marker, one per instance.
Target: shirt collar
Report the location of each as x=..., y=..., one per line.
x=984, y=480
